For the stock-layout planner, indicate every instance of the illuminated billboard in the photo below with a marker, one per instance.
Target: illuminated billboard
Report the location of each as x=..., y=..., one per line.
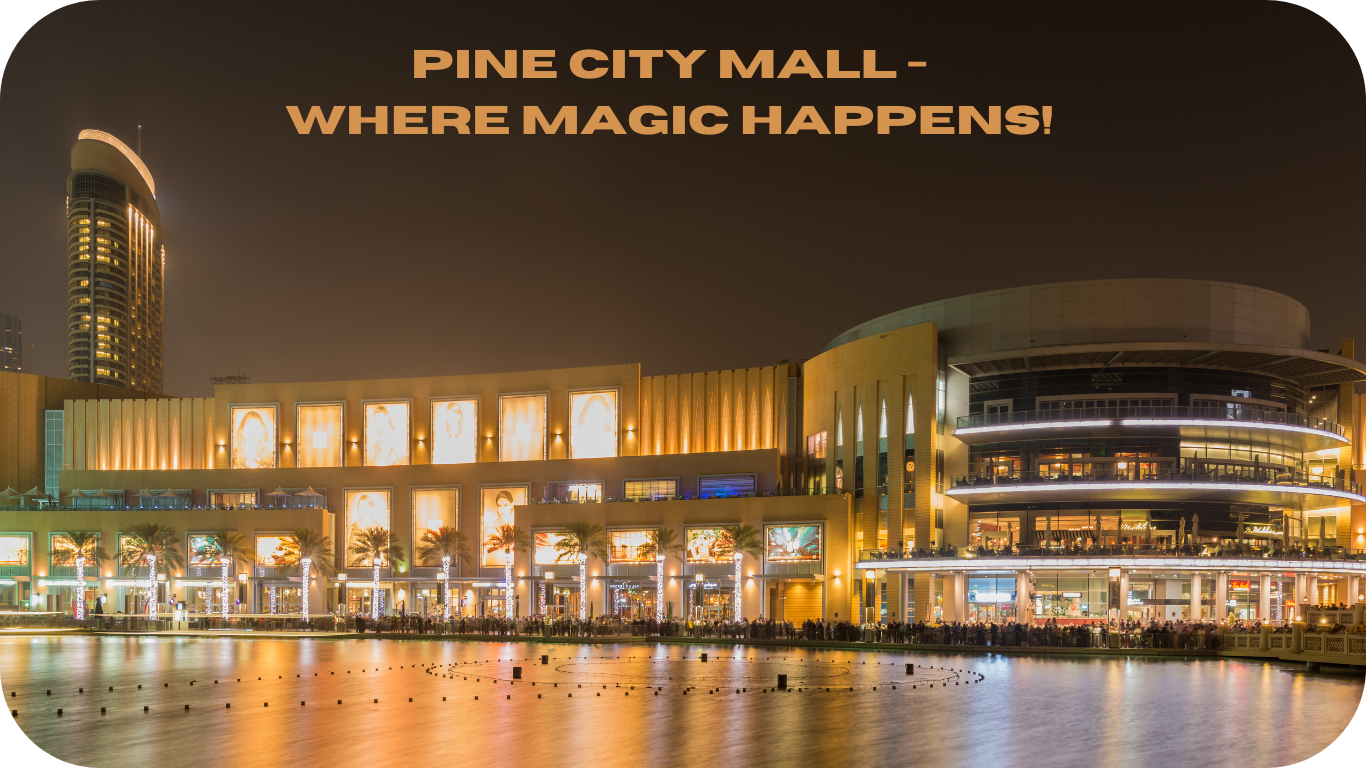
x=365, y=509
x=792, y=543
x=386, y=434
x=496, y=505
x=625, y=546
x=545, y=551
x=434, y=508
x=521, y=427
x=61, y=550
x=14, y=550
x=703, y=545
x=198, y=543
x=253, y=436
x=276, y=550
x=455, y=431
x=319, y=435
x=593, y=424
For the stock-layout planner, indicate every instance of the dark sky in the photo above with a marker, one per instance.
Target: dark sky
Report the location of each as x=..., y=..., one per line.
x=1223, y=141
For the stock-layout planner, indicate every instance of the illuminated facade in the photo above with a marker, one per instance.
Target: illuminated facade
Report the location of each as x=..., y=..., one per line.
x=115, y=262
x=1021, y=454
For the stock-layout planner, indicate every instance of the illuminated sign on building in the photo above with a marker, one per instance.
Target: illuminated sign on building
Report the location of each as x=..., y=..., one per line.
x=253, y=436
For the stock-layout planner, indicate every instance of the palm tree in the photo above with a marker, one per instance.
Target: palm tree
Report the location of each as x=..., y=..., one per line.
x=444, y=543
x=378, y=546
x=79, y=546
x=735, y=541
x=508, y=539
x=225, y=548
x=154, y=544
x=312, y=548
x=580, y=540
x=658, y=543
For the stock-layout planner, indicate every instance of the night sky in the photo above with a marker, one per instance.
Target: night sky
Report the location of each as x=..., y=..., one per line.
x=1221, y=142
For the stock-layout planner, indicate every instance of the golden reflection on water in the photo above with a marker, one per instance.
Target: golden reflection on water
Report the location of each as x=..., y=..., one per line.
x=1056, y=711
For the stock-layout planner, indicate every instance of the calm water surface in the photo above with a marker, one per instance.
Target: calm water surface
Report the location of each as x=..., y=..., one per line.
x=1021, y=711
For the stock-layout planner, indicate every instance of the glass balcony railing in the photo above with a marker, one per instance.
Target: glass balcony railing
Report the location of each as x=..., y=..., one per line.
x=1236, y=416
x=1188, y=471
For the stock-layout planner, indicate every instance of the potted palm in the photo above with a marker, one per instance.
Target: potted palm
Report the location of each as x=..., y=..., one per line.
x=312, y=549
x=658, y=543
x=378, y=546
x=581, y=539
x=444, y=544
x=738, y=541
x=225, y=548
x=508, y=539
x=155, y=545
x=79, y=546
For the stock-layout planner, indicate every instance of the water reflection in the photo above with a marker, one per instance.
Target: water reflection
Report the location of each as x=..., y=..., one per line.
x=1027, y=711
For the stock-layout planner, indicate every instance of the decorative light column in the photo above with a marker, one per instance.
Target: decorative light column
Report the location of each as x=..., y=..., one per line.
x=224, y=578
x=583, y=587
x=659, y=589
x=446, y=586
x=739, y=556
x=374, y=592
x=80, y=587
x=307, y=562
x=507, y=582
x=273, y=592
x=152, y=586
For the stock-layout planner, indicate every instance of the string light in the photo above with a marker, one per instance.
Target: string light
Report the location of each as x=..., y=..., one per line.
x=583, y=587
x=80, y=589
x=374, y=592
x=446, y=573
x=659, y=588
x=225, y=590
x=736, y=590
x=307, y=562
x=151, y=586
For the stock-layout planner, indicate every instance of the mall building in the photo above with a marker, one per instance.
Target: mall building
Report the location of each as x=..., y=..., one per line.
x=1016, y=454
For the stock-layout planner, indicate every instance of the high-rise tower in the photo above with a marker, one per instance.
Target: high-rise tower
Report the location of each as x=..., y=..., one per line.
x=114, y=266
x=11, y=343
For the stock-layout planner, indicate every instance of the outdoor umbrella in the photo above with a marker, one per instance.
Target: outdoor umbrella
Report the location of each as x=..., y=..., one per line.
x=310, y=492
x=32, y=493
x=169, y=494
x=1240, y=531
x=1323, y=531
x=1148, y=523
x=1195, y=528
x=278, y=492
x=1048, y=532
x=8, y=494
x=1181, y=534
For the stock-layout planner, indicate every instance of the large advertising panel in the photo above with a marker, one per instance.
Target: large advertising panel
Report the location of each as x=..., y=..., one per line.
x=496, y=505
x=593, y=424
x=201, y=542
x=545, y=551
x=624, y=546
x=364, y=509
x=434, y=508
x=386, y=434
x=319, y=433
x=253, y=436
x=61, y=549
x=703, y=545
x=14, y=550
x=276, y=550
x=521, y=427
x=455, y=431
x=792, y=543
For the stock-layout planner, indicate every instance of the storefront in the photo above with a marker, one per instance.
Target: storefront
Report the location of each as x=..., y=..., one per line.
x=991, y=598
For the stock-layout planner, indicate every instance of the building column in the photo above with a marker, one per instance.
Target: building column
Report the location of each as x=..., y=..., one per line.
x=1264, y=598
x=1195, y=596
x=1220, y=596
x=1312, y=589
x=950, y=602
x=1023, y=608
x=924, y=596
x=1353, y=590
x=1300, y=590
x=1123, y=594
x=960, y=595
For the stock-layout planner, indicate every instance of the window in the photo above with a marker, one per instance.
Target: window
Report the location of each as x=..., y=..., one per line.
x=654, y=488
x=576, y=492
x=318, y=435
x=232, y=498
x=726, y=485
x=625, y=546
x=521, y=427
x=815, y=446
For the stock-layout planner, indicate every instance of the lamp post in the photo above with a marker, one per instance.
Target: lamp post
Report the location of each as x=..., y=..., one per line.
x=659, y=589
x=549, y=586
x=341, y=592
x=697, y=595
x=870, y=587
x=738, y=557
x=241, y=588
x=446, y=587
x=80, y=587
